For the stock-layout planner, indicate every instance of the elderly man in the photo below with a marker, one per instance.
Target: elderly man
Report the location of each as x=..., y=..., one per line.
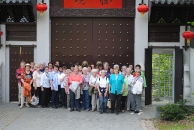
x=42, y=66
x=124, y=68
x=106, y=68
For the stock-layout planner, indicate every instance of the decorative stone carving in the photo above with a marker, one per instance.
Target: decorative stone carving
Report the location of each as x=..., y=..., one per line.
x=62, y=12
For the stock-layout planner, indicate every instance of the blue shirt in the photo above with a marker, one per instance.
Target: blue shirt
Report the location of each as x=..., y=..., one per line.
x=54, y=79
x=116, y=84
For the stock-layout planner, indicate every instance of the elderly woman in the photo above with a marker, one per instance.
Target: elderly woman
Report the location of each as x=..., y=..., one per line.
x=45, y=87
x=75, y=77
x=26, y=79
x=85, y=86
x=66, y=86
x=129, y=77
x=102, y=83
x=62, y=78
x=36, y=80
x=116, y=89
x=125, y=91
x=93, y=84
x=136, y=96
x=54, y=81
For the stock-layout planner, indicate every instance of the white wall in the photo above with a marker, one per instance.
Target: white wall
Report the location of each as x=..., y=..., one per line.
x=141, y=35
x=192, y=74
x=43, y=35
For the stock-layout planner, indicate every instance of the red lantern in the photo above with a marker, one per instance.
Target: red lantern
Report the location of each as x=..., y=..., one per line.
x=1, y=33
x=143, y=8
x=188, y=35
x=41, y=7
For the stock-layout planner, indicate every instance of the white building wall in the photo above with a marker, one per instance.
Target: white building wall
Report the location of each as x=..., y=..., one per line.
x=43, y=35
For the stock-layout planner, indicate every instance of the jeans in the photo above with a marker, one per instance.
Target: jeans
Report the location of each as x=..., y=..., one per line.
x=130, y=100
x=115, y=98
x=137, y=101
x=74, y=101
x=54, y=98
x=103, y=102
x=63, y=97
x=85, y=100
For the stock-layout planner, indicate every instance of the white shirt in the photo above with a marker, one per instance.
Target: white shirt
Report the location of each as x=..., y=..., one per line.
x=45, y=80
x=62, y=75
x=103, y=82
x=93, y=80
x=130, y=81
x=37, y=77
x=59, y=75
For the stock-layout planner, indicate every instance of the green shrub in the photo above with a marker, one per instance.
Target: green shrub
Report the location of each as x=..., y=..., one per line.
x=174, y=112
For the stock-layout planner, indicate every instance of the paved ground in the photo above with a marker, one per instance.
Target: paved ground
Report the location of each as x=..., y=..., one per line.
x=13, y=118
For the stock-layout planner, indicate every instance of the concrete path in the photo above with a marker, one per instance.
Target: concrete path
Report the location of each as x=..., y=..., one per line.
x=13, y=118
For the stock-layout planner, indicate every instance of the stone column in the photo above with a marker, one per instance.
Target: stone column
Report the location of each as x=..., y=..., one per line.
x=43, y=36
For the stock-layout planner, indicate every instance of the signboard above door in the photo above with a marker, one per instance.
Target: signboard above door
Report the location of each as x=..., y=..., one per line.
x=92, y=4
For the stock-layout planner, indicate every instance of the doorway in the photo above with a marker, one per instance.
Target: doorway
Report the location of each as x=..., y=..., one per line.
x=164, y=74
x=162, y=78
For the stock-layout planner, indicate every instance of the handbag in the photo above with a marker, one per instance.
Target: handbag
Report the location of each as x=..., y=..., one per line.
x=34, y=100
x=109, y=103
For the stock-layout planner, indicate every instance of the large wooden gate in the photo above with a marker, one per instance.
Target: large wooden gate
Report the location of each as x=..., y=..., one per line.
x=74, y=40
x=18, y=54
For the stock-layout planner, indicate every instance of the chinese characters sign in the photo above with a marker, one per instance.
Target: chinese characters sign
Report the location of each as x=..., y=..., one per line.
x=92, y=3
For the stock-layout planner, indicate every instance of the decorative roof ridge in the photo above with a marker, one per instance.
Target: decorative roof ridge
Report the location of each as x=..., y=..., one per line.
x=173, y=1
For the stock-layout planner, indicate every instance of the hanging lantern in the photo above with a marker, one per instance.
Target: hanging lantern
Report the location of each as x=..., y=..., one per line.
x=41, y=7
x=1, y=33
x=188, y=35
x=143, y=8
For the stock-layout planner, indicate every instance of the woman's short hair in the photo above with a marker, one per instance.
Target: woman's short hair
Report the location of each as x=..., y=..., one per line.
x=103, y=71
x=37, y=65
x=94, y=70
x=84, y=68
x=68, y=71
x=116, y=67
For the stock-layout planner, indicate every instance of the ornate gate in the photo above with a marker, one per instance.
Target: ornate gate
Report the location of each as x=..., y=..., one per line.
x=93, y=39
x=18, y=54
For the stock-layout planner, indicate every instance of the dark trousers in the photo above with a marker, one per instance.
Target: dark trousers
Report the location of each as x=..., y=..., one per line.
x=63, y=97
x=123, y=101
x=38, y=94
x=74, y=102
x=59, y=95
x=55, y=96
x=45, y=99
x=115, y=98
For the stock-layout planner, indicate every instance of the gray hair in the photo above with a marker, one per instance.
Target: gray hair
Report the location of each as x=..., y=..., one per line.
x=85, y=68
x=116, y=66
x=94, y=70
x=105, y=63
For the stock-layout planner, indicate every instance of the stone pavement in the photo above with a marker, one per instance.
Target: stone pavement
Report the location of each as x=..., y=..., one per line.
x=13, y=118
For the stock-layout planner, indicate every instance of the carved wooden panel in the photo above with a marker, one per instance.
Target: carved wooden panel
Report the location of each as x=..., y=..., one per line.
x=92, y=39
x=16, y=56
x=21, y=32
x=163, y=33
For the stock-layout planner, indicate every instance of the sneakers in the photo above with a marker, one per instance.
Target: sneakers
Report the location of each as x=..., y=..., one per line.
x=21, y=106
x=27, y=105
x=127, y=109
x=69, y=108
x=123, y=111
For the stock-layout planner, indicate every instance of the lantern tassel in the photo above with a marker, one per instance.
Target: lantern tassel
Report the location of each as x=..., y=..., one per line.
x=188, y=41
x=41, y=13
x=142, y=14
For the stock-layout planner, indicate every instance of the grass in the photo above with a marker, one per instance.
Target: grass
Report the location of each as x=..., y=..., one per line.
x=187, y=124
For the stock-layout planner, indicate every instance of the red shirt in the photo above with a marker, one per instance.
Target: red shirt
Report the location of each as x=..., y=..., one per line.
x=19, y=71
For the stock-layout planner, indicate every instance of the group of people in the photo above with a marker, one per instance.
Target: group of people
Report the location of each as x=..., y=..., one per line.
x=82, y=87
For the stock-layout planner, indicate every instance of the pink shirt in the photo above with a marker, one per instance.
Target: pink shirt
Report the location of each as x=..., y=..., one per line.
x=76, y=78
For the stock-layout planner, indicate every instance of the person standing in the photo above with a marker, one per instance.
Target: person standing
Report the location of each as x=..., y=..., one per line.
x=129, y=76
x=137, y=96
x=54, y=86
x=125, y=92
x=63, y=79
x=66, y=86
x=36, y=80
x=93, y=83
x=50, y=66
x=45, y=88
x=116, y=89
x=102, y=83
x=138, y=67
x=76, y=78
x=27, y=80
x=19, y=71
x=32, y=69
x=42, y=65
x=85, y=86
